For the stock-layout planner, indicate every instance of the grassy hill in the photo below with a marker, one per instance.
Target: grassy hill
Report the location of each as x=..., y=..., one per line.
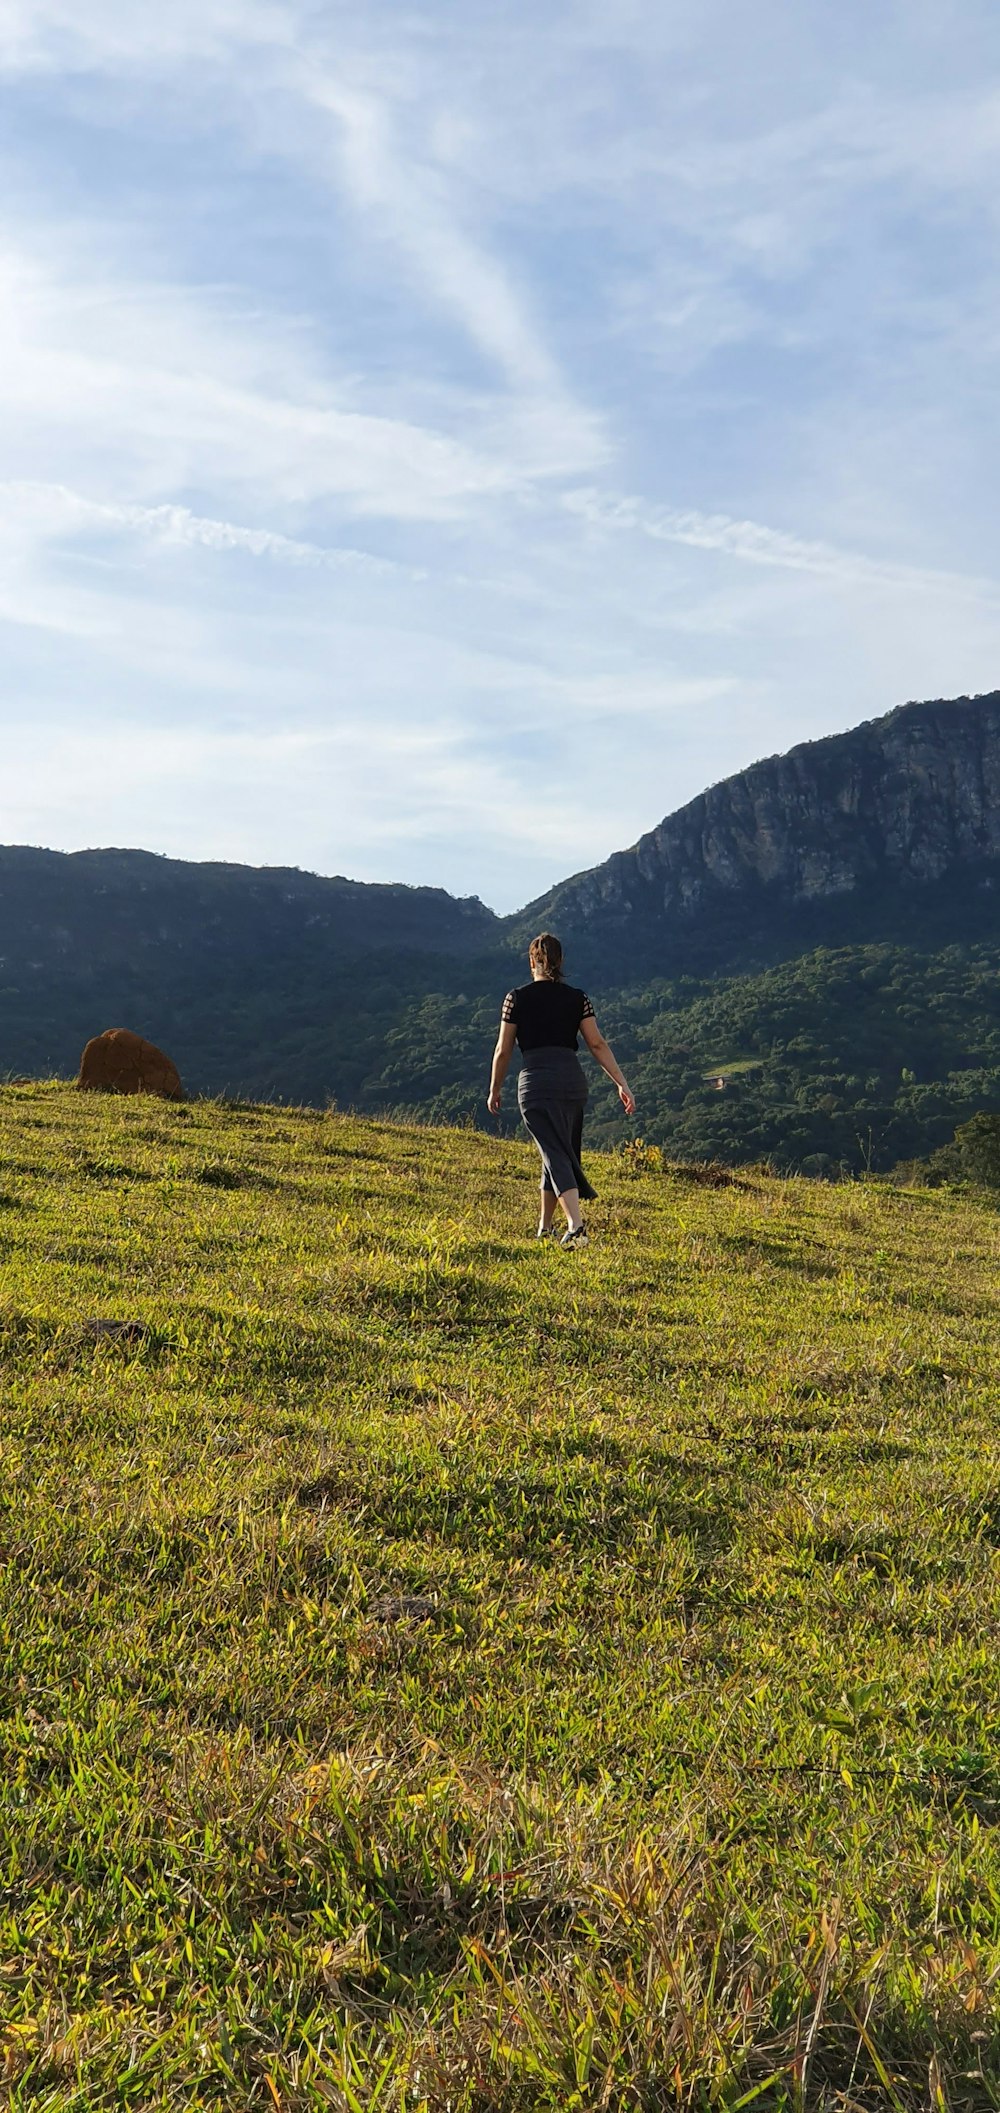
x=445, y=1673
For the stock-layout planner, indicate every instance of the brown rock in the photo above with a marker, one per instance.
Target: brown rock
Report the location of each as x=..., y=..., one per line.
x=120, y=1062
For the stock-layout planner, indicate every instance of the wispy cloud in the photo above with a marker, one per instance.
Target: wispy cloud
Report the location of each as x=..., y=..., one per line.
x=54, y=509
x=167, y=389
x=392, y=155
x=409, y=202
x=751, y=543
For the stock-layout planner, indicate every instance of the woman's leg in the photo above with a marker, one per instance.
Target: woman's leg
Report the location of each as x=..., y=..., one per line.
x=570, y=1200
x=549, y=1201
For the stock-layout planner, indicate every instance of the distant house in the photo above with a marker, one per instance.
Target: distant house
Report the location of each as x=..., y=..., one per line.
x=729, y=1078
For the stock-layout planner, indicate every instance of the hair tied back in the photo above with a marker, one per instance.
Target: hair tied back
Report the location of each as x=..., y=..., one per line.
x=545, y=954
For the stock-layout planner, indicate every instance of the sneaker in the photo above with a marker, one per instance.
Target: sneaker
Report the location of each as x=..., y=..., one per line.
x=546, y=1232
x=576, y=1239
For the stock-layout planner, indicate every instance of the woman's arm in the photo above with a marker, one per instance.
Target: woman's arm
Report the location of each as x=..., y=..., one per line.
x=602, y=1051
x=501, y=1059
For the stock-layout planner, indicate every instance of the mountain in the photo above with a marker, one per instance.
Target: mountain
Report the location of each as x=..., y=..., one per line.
x=829, y=841
x=820, y=931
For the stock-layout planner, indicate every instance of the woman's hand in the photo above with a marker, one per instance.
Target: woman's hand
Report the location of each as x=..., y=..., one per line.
x=605, y=1057
x=493, y=1104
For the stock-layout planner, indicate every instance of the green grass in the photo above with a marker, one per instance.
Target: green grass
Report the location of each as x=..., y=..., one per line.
x=441, y=1672
x=737, y=1069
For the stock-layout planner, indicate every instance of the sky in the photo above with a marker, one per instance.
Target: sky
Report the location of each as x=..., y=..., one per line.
x=437, y=441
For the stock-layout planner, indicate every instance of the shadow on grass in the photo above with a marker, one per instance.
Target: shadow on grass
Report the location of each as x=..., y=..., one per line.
x=520, y=1515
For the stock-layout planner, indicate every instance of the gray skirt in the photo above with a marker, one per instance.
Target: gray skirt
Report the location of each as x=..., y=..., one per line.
x=552, y=1095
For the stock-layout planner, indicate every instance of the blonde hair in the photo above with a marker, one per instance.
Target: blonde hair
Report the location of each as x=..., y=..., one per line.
x=545, y=954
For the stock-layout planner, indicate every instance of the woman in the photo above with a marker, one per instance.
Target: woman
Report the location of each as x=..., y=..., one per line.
x=544, y=1017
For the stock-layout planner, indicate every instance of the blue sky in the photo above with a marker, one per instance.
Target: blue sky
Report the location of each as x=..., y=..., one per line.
x=437, y=441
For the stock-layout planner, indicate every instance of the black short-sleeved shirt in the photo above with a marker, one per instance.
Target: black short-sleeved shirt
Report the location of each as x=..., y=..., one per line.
x=546, y=1015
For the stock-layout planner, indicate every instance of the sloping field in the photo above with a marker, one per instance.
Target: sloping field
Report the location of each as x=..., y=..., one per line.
x=443, y=1672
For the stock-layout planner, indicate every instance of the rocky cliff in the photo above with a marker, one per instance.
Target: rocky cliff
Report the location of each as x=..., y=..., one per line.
x=906, y=800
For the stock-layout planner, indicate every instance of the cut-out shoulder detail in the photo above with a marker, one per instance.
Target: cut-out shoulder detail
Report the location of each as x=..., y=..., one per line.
x=588, y=1010
x=508, y=1010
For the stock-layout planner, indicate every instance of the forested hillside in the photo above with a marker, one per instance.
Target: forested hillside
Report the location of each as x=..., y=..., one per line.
x=851, y=1058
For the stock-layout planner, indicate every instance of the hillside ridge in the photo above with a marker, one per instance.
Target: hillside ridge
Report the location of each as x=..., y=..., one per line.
x=709, y=947
x=910, y=794
x=352, y=912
